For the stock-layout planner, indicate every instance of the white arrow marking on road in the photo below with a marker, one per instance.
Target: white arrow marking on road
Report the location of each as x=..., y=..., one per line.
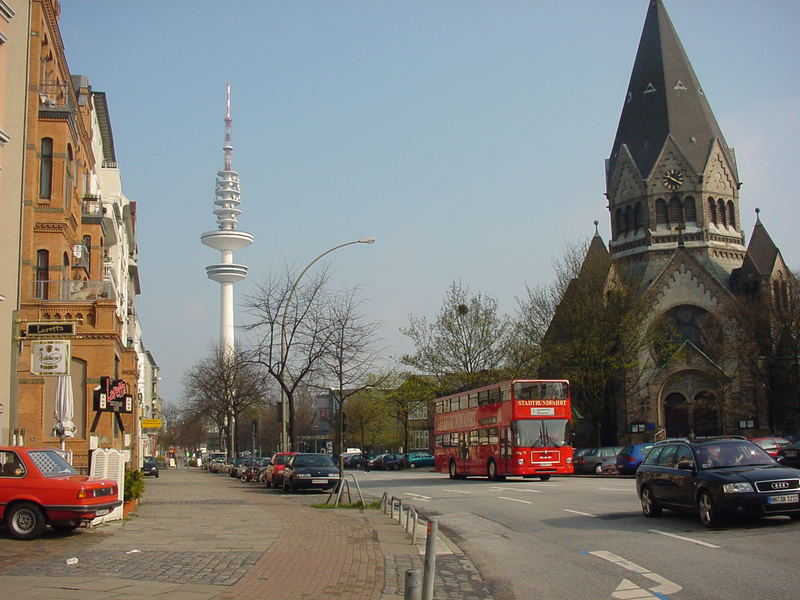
x=627, y=590
x=577, y=512
x=685, y=539
x=665, y=586
x=514, y=500
x=417, y=496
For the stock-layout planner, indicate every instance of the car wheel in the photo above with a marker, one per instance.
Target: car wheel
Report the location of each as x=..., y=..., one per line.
x=795, y=516
x=709, y=515
x=598, y=469
x=650, y=506
x=66, y=526
x=156, y=475
x=25, y=521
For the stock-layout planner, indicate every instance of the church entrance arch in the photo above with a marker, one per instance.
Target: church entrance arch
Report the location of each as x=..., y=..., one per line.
x=676, y=415
x=690, y=405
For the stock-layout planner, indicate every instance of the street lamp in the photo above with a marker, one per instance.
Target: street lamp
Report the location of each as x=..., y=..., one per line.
x=284, y=412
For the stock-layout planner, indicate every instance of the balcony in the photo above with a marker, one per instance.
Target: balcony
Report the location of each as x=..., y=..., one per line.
x=70, y=291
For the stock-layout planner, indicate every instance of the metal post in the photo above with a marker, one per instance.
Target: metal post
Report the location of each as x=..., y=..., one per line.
x=430, y=560
x=414, y=530
x=412, y=590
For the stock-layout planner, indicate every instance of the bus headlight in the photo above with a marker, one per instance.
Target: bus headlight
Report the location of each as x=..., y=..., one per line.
x=520, y=461
x=569, y=460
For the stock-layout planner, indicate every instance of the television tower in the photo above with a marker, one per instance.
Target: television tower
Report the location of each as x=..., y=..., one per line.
x=226, y=238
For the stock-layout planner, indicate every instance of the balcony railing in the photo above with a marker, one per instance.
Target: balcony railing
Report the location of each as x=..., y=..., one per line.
x=71, y=291
x=55, y=96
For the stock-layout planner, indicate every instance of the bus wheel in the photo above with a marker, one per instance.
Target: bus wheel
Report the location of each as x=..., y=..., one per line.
x=544, y=477
x=453, y=474
x=492, y=469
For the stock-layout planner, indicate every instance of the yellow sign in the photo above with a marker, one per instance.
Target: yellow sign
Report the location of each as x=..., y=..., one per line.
x=151, y=423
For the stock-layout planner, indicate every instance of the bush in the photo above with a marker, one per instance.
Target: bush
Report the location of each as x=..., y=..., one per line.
x=134, y=485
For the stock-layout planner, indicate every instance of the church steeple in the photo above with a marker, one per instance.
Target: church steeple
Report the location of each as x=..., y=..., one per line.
x=664, y=97
x=671, y=178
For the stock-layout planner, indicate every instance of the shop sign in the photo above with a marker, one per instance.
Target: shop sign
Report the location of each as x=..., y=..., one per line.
x=50, y=357
x=112, y=396
x=151, y=423
x=48, y=328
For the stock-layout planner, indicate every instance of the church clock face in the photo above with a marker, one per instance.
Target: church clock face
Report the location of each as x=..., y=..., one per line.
x=673, y=179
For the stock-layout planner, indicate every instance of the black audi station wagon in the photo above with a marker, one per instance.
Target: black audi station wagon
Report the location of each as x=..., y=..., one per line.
x=717, y=478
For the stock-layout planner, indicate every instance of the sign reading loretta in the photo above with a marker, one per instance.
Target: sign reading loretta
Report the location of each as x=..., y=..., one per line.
x=112, y=396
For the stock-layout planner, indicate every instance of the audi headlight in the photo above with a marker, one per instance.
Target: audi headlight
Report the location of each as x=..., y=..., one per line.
x=734, y=488
x=302, y=475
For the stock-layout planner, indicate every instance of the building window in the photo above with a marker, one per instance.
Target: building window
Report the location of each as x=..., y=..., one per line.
x=46, y=168
x=689, y=210
x=87, y=248
x=418, y=439
x=723, y=220
x=42, y=274
x=68, y=178
x=620, y=222
x=675, y=212
x=420, y=413
x=712, y=211
x=637, y=217
x=628, y=219
x=662, y=217
x=731, y=215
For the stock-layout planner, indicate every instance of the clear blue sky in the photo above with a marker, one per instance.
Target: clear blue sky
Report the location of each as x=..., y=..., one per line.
x=468, y=137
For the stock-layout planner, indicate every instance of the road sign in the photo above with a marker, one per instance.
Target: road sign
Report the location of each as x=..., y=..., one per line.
x=151, y=423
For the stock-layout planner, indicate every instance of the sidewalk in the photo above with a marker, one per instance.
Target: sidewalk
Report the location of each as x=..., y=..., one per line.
x=201, y=536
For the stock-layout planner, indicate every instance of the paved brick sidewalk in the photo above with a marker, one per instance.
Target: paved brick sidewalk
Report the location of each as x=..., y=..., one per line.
x=202, y=536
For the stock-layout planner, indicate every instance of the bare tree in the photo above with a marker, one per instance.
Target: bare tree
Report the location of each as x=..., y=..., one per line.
x=293, y=332
x=466, y=342
x=351, y=356
x=220, y=387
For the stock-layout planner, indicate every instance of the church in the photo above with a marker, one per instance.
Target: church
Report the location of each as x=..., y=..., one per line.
x=676, y=236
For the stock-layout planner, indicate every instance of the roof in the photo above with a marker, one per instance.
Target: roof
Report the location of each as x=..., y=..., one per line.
x=761, y=251
x=664, y=98
x=101, y=108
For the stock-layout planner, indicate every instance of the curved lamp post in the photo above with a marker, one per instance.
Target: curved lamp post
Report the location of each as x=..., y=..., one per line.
x=284, y=412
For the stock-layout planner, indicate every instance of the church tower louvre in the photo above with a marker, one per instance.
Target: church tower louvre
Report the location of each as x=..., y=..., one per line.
x=671, y=179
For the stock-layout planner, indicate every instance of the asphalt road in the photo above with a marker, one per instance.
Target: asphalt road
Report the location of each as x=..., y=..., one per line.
x=585, y=538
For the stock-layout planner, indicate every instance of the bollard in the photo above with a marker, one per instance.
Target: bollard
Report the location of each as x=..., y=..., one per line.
x=430, y=560
x=414, y=530
x=412, y=590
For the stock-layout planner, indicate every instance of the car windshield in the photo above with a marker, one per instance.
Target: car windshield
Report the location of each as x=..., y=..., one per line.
x=149, y=461
x=313, y=460
x=732, y=454
x=281, y=459
x=51, y=464
x=540, y=433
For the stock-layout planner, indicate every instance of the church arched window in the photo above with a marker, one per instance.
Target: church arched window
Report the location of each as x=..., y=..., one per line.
x=689, y=210
x=731, y=214
x=637, y=217
x=628, y=218
x=776, y=294
x=723, y=220
x=712, y=211
x=620, y=223
x=661, y=212
x=675, y=212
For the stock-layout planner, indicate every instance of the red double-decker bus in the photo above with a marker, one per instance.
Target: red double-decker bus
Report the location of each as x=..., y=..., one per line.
x=520, y=427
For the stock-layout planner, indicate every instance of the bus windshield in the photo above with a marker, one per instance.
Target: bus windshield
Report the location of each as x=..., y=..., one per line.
x=540, y=390
x=540, y=433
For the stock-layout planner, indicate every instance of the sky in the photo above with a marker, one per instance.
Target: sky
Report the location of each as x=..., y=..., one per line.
x=467, y=136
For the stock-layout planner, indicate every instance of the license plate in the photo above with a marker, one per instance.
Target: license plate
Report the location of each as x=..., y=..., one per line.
x=791, y=453
x=544, y=464
x=317, y=481
x=784, y=499
x=101, y=512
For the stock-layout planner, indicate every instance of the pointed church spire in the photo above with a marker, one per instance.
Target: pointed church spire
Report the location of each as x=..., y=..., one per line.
x=664, y=97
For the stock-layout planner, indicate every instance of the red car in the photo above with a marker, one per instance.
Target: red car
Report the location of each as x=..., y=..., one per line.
x=772, y=445
x=38, y=488
x=275, y=468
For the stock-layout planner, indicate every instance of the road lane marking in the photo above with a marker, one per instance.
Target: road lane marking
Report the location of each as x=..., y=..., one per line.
x=627, y=590
x=513, y=489
x=577, y=512
x=685, y=539
x=417, y=496
x=514, y=500
x=627, y=490
x=663, y=587
x=457, y=491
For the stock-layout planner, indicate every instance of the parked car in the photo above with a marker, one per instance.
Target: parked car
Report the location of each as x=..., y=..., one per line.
x=149, y=466
x=215, y=465
x=791, y=456
x=772, y=445
x=630, y=457
x=609, y=466
x=310, y=471
x=592, y=459
x=352, y=460
x=238, y=466
x=386, y=462
x=415, y=460
x=39, y=488
x=716, y=478
x=211, y=456
x=274, y=475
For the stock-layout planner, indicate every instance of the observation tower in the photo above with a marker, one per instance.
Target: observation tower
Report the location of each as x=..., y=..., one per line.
x=226, y=238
